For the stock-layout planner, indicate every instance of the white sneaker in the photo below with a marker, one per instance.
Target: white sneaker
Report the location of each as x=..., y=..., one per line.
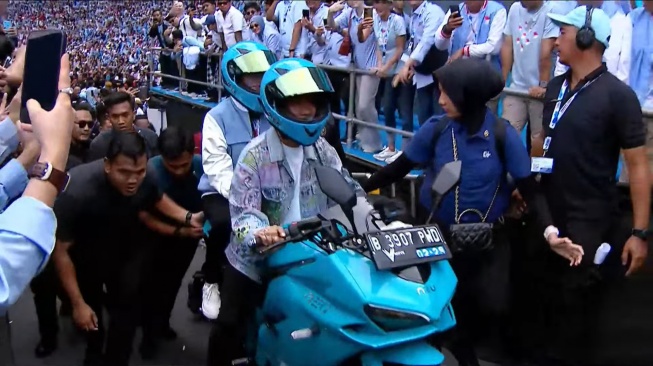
x=211, y=301
x=393, y=157
x=385, y=154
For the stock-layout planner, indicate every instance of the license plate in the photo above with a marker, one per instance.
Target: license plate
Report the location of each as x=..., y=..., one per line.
x=405, y=247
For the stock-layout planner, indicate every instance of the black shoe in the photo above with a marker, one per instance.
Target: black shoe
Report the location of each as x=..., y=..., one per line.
x=169, y=334
x=195, y=286
x=45, y=348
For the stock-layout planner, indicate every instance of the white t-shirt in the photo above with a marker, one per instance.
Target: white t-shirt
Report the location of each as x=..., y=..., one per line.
x=186, y=28
x=233, y=22
x=295, y=158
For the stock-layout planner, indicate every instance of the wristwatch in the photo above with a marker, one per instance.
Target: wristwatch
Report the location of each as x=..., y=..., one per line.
x=46, y=172
x=639, y=233
x=543, y=84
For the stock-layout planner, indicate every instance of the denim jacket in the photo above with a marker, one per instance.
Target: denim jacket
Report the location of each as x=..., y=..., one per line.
x=262, y=190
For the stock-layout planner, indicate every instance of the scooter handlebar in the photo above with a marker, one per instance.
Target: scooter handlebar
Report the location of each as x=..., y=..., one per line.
x=295, y=231
x=297, y=228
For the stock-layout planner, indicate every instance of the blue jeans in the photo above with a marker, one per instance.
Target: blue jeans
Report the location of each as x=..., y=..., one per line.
x=426, y=99
x=391, y=102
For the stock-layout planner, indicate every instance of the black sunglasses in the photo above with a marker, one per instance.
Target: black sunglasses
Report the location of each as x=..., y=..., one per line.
x=84, y=124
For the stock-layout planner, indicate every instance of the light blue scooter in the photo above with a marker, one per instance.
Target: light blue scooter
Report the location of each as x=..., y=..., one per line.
x=339, y=297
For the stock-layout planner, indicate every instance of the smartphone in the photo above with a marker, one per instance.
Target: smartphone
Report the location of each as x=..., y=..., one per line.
x=454, y=9
x=325, y=21
x=41, y=72
x=6, y=24
x=368, y=13
x=305, y=13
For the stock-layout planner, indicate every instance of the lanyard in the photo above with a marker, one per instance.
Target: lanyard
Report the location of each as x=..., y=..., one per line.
x=384, y=34
x=560, y=108
x=256, y=124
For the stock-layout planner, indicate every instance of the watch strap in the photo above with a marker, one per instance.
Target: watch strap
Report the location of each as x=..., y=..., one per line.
x=639, y=233
x=45, y=172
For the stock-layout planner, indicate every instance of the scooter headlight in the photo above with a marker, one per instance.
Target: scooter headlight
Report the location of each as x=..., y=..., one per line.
x=391, y=320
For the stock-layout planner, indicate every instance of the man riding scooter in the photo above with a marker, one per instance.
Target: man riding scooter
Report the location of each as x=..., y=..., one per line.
x=227, y=128
x=273, y=184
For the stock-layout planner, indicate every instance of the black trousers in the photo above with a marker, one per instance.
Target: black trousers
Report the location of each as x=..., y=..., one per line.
x=240, y=298
x=46, y=287
x=170, y=261
x=168, y=67
x=340, y=82
x=197, y=74
x=123, y=279
x=566, y=311
x=216, y=209
x=481, y=301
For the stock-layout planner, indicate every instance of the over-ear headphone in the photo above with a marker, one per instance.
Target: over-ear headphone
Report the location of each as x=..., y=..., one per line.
x=586, y=36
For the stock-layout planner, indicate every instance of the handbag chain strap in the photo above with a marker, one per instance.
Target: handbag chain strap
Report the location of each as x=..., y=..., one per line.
x=478, y=212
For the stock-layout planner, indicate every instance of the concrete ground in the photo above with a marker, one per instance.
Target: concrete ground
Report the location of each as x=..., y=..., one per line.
x=188, y=350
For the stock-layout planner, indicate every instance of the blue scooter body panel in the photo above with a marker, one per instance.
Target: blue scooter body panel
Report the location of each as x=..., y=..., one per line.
x=328, y=293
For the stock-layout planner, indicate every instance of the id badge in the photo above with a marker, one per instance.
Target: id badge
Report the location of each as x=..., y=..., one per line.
x=410, y=44
x=541, y=165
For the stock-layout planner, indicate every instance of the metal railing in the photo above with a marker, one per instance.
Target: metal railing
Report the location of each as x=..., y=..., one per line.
x=350, y=118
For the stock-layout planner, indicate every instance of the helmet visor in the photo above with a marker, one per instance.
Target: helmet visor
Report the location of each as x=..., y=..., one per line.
x=254, y=62
x=307, y=80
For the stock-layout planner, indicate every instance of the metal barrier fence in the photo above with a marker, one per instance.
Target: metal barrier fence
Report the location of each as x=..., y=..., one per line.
x=349, y=119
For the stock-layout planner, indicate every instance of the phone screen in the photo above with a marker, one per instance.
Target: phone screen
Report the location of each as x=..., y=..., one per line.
x=368, y=12
x=454, y=9
x=6, y=24
x=41, y=72
x=305, y=13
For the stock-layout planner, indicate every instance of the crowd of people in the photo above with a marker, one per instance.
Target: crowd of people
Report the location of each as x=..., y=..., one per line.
x=518, y=41
x=156, y=197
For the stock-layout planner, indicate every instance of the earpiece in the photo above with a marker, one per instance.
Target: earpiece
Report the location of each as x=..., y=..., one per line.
x=586, y=36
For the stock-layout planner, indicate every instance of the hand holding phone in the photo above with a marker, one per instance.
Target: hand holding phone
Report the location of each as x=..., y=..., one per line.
x=41, y=71
x=305, y=13
x=53, y=129
x=454, y=21
x=454, y=11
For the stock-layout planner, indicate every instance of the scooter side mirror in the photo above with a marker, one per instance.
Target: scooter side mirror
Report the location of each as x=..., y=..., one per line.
x=446, y=179
x=334, y=185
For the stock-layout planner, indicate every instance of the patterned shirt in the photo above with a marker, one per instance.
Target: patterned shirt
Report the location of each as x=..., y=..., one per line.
x=262, y=191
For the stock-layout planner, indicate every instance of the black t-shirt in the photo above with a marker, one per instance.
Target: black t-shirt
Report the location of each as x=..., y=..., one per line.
x=100, y=144
x=99, y=221
x=585, y=144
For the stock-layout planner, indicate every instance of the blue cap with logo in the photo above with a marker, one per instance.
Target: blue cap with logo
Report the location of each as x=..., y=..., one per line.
x=600, y=22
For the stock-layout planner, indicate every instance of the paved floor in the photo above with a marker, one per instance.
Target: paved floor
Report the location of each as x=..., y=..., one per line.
x=188, y=350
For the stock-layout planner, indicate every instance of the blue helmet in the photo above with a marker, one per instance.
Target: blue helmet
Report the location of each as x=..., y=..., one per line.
x=294, y=77
x=240, y=59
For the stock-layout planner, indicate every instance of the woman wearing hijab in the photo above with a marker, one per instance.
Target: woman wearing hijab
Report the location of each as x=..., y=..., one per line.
x=268, y=36
x=488, y=148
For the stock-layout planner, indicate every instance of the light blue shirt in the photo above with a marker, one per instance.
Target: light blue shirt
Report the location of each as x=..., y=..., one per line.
x=424, y=23
x=364, y=53
x=331, y=56
x=386, y=33
x=13, y=180
x=8, y=138
x=25, y=246
x=13, y=177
